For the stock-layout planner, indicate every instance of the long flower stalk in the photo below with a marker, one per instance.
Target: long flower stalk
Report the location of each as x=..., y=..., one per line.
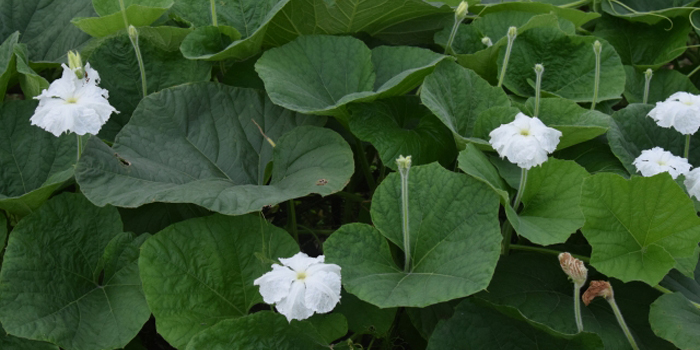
x=404, y=164
x=648, y=74
x=512, y=33
x=134, y=37
x=597, y=49
x=539, y=70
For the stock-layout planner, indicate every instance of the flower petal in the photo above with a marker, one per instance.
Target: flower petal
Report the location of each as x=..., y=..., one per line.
x=275, y=285
x=300, y=261
x=293, y=306
x=322, y=291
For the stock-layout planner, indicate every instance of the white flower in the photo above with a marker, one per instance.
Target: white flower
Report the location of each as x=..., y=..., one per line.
x=525, y=141
x=657, y=160
x=301, y=286
x=680, y=111
x=692, y=183
x=73, y=104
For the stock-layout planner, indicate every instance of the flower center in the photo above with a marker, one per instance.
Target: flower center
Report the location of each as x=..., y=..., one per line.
x=301, y=275
x=525, y=132
x=688, y=103
x=661, y=162
x=72, y=100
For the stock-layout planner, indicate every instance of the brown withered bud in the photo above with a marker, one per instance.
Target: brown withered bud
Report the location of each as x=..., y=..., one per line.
x=574, y=268
x=597, y=289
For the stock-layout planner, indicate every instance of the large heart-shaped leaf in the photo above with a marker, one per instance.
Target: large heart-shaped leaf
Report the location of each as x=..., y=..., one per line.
x=250, y=18
x=320, y=74
x=644, y=45
x=477, y=324
x=675, y=318
x=569, y=64
x=70, y=277
x=266, y=330
x=458, y=96
x=638, y=227
x=664, y=83
x=47, y=40
x=542, y=292
x=34, y=162
x=115, y=60
x=8, y=342
x=199, y=272
x=204, y=148
x=402, y=126
x=454, y=240
x=139, y=13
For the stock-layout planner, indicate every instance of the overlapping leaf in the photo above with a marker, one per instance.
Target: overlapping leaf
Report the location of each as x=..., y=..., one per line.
x=138, y=13
x=70, y=277
x=34, y=162
x=454, y=240
x=200, y=272
x=321, y=74
x=8, y=342
x=638, y=227
x=664, y=83
x=675, y=318
x=650, y=12
x=203, y=147
x=15, y=64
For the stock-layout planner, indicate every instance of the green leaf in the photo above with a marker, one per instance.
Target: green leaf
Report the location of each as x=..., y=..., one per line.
x=569, y=64
x=8, y=342
x=577, y=17
x=180, y=162
x=475, y=163
x=116, y=61
x=266, y=330
x=650, y=12
x=688, y=285
x=365, y=318
x=467, y=40
x=542, y=292
x=551, y=200
x=7, y=62
x=250, y=18
x=458, y=96
x=306, y=17
x=45, y=26
x=595, y=156
x=34, y=162
x=477, y=324
x=199, y=272
x=32, y=84
x=70, y=277
x=320, y=74
x=644, y=45
x=427, y=318
x=108, y=7
x=3, y=233
x=454, y=238
x=139, y=13
x=495, y=24
x=664, y=83
x=402, y=126
x=157, y=216
x=675, y=318
x=638, y=227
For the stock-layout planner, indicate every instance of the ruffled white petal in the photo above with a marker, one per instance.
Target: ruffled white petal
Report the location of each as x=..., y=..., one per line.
x=322, y=291
x=293, y=306
x=525, y=141
x=680, y=111
x=657, y=160
x=275, y=285
x=692, y=183
x=301, y=261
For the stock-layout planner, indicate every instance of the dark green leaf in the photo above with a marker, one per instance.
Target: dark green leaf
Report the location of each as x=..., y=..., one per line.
x=8, y=342
x=664, y=83
x=675, y=318
x=364, y=317
x=139, y=13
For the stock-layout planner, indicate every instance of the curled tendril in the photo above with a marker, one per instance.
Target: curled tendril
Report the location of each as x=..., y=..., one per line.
x=690, y=18
x=635, y=13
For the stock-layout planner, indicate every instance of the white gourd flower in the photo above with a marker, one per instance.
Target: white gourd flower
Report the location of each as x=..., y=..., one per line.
x=301, y=286
x=680, y=111
x=525, y=141
x=657, y=160
x=692, y=183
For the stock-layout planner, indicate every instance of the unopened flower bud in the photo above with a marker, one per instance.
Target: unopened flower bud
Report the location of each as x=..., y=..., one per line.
x=597, y=289
x=597, y=47
x=574, y=268
x=133, y=34
x=487, y=41
x=512, y=33
x=462, y=9
x=648, y=74
x=75, y=63
x=404, y=163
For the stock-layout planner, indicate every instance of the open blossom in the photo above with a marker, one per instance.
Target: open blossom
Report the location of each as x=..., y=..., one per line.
x=692, y=183
x=680, y=111
x=301, y=286
x=657, y=160
x=73, y=104
x=525, y=141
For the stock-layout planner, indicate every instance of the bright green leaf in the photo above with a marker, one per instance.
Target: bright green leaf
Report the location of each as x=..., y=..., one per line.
x=675, y=318
x=638, y=227
x=454, y=239
x=70, y=277
x=577, y=17
x=139, y=14
x=180, y=162
x=402, y=126
x=34, y=162
x=664, y=83
x=475, y=163
x=199, y=272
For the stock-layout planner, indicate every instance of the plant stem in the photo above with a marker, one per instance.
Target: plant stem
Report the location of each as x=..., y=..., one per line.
x=539, y=70
x=123, y=10
x=512, y=33
x=577, y=307
x=694, y=71
x=521, y=189
x=453, y=34
x=79, y=148
x=507, y=236
x=292, y=220
x=647, y=83
x=686, y=150
x=575, y=4
x=214, y=21
x=623, y=325
x=667, y=291
x=134, y=38
x=403, y=171
x=364, y=164
x=546, y=251
x=597, y=49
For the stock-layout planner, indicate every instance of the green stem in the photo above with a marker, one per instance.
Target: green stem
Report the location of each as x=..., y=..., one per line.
x=647, y=84
x=694, y=71
x=577, y=307
x=453, y=34
x=597, y=49
x=623, y=325
x=512, y=32
x=667, y=291
x=539, y=70
x=686, y=150
x=364, y=164
x=134, y=38
x=507, y=230
x=404, y=218
x=292, y=220
x=546, y=251
x=521, y=189
x=575, y=4
x=214, y=22
x=123, y=10
x=79, y=148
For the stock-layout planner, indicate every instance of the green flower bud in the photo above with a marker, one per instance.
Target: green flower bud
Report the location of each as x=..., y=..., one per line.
x=462, y=9
x=75, y=63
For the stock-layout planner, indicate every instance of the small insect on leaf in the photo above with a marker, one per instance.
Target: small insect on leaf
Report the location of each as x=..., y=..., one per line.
x=321, y=182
